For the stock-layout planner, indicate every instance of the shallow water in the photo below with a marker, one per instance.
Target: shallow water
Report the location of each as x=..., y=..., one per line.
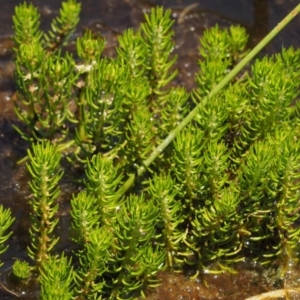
x=111, y=17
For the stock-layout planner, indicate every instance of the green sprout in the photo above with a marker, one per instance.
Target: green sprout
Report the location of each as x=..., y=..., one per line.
x=22, y=270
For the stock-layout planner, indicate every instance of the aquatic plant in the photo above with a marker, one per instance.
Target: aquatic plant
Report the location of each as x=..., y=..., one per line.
x=212, y=174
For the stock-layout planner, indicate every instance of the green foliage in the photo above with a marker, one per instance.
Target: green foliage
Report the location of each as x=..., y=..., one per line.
x=225, y=189
x=45, y=89
x=26, y=24
x=272, y=194
x=174, y=110
x=100, y=105
x=220, y=50
x=217, y=227
x=121, y=252
x=139, y=132
x=6, y=221
x=56, y=279
x=89, y=48
x=158, y=38
x=85, y=216
x=64, y=25
x=186, y=164
x=223, y=43
x=22, y=270
x=46, y=81
x=93, y=260
x=102, y=183
x=45, y=172
x=132, y=51
x=163, y=191
x=136, y=262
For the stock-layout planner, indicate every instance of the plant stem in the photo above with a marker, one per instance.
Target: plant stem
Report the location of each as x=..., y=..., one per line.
x=146, y=163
